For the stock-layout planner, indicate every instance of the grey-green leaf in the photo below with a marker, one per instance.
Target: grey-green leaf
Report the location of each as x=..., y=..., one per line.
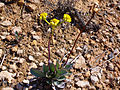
x=57, y=65
x=68, y=66
x=61, y=78
x=37, y=72
x=62, y=72
x=59, y=84
x=52, y=67
x=45, y=68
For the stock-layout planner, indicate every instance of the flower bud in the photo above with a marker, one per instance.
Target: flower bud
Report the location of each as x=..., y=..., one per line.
x=43, y=16
x=67, y=18
x=54, y=22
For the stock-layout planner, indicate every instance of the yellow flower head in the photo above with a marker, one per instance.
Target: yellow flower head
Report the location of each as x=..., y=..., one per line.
x=67, y=18
x=54, y=22
x=43, y=16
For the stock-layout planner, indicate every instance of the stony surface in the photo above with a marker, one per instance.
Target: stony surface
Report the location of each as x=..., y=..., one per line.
x=96, y=54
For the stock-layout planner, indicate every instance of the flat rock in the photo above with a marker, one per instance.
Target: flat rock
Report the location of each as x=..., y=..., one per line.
x=33, y=65
x=95, y=70
x=31, y=7
x=6, y=74
x=6, y=23
x=94, y=79
x=82, y=84
x=80, y=62
x=1, y=4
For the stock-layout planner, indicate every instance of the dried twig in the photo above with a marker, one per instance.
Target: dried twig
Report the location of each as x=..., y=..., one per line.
x=3, y=59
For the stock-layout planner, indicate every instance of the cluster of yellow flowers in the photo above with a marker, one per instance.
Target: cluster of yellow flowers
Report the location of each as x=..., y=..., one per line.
x=54, y=22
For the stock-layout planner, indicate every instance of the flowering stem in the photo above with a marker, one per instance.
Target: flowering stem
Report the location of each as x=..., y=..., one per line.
x=50, y=37
x=49, y=50
x=83, y=29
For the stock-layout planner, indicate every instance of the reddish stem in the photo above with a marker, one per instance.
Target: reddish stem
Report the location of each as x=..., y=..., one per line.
x=83, y=29
x=49, y=51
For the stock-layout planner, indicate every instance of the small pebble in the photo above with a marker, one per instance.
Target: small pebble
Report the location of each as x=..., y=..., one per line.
x=13, y=66
x=15, y=48
x=111, y=66
x=94, y=79
x=78, y=49
x=21, y=60
x=41, y=64
x=1, y=4
x=36, y=37
x=19, y=51
x=4, y=68
x=82, y=84
x=31, y=58
x=34, y=42
x=33, y=65
x=31, y=7
x=26, y=81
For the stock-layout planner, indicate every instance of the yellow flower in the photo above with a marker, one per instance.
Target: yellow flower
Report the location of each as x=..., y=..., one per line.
x=67, y=18
x=54, y=22
x=43, y=16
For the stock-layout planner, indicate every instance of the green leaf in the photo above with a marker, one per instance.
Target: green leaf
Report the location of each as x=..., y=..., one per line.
x=16, y=33
x=61, y=78
x=45, y=68
x=48, y=81
x=37, y=72
x=68, y=66
x=62, y=72
x=52, y=67
x=57, y=65
x=59, y=84
x=68, y=73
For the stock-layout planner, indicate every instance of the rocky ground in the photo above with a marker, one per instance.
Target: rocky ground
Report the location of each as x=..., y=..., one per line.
x=97, y=51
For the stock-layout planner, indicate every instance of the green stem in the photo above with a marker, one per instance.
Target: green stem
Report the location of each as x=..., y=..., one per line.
x=60, y=23
x=47, y=22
